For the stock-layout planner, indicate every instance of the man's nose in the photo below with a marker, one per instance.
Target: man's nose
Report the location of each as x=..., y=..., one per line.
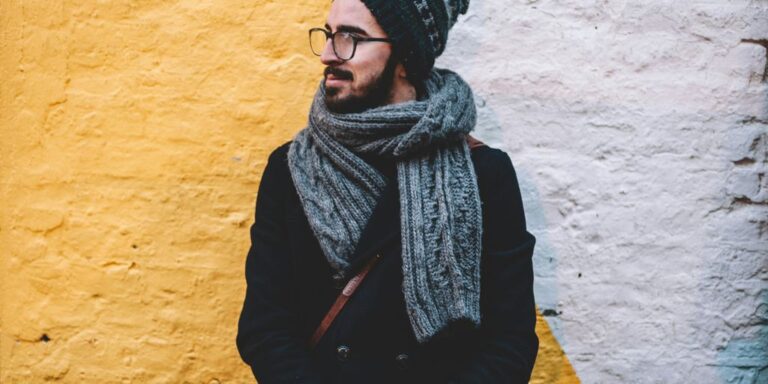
x=329, y=56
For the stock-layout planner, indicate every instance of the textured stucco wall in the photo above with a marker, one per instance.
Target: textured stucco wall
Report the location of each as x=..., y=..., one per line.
x=640, y=132
x=133, y=137
x=133, y=134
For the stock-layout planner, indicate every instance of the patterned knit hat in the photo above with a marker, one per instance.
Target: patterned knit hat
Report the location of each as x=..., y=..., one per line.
x=419, y=28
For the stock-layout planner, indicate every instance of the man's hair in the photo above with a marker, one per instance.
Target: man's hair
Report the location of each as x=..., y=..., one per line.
x=416, y=79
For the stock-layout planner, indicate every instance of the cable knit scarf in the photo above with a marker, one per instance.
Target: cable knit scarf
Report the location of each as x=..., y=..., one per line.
x=440, y=211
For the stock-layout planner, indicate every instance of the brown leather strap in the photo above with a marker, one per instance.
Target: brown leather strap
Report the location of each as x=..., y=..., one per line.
x=345, y=294
x=474, y=143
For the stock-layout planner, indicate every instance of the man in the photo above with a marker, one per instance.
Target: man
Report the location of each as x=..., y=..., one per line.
x=388, y=245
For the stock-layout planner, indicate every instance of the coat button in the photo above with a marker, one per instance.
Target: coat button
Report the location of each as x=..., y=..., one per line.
x=402, y=360
x=343, y=352
x=339, y=281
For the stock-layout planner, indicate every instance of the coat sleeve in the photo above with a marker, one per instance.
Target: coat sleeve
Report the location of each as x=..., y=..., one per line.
x=508, y=343
x=267, y=336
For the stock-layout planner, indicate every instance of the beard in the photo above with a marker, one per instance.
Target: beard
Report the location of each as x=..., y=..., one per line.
x=373, y=94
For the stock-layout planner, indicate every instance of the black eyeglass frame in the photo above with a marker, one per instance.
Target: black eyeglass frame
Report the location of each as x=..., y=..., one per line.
x=355, y=40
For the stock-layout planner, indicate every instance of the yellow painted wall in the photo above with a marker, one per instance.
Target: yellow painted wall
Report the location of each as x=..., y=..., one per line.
x=133, y=134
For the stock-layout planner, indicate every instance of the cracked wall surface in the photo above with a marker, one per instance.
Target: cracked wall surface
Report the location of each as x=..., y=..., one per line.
x=133, y=135
x=639, y=133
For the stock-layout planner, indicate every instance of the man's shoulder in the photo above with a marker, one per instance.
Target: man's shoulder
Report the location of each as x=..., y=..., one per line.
x=278, y=158
x=490, y=162
x=282, y=150
x=276, y=170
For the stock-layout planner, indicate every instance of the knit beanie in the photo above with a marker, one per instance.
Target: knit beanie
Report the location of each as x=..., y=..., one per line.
x=418, y=29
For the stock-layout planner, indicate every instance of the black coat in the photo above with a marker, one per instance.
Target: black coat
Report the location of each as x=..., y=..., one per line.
x=290, y=288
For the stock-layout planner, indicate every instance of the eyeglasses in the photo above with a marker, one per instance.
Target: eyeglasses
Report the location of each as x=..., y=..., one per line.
x=344, y=43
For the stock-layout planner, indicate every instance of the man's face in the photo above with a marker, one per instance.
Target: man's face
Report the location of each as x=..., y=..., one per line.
x=365, y=81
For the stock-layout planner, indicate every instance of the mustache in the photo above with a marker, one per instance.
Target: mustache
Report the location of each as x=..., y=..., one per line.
x=340, y=73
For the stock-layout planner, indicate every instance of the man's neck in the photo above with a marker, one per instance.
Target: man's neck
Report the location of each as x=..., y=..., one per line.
x=407, y=94
x=402, y=91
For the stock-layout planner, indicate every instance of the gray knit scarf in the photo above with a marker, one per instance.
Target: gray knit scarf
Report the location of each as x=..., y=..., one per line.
x=440, y=211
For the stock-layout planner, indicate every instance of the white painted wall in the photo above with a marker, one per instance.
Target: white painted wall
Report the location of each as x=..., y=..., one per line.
x=639, y=131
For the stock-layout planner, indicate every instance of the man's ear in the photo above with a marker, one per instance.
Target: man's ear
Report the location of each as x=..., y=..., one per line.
x=401, y=72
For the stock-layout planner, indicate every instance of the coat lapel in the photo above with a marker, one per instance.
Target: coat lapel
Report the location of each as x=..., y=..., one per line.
x=383, y=226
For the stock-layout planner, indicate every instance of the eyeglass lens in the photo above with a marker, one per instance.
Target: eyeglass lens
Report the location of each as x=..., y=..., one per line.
x=343, y=44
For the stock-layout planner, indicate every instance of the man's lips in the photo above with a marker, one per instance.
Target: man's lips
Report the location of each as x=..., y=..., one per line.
x=333, y=80
x=335, y=76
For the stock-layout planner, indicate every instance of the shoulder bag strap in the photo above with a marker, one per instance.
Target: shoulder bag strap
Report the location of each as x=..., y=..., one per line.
x=342, y=299
x=474, y=143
